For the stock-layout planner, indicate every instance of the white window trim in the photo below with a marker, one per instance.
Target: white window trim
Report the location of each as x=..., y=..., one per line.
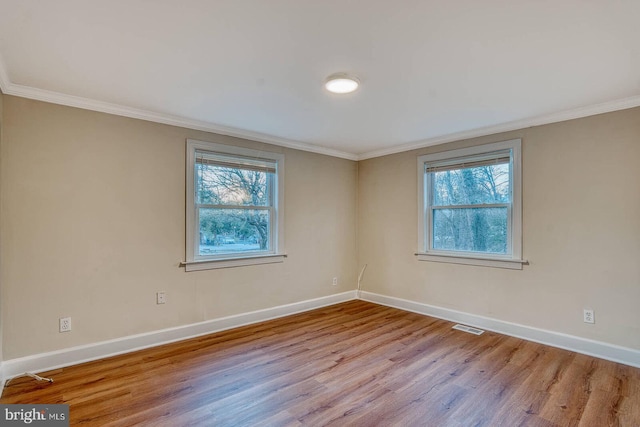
x=275, y=255
x=511, y=261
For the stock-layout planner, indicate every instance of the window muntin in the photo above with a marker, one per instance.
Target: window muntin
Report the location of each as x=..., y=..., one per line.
x=223, y=180
x=233, y=203
x=470, y=203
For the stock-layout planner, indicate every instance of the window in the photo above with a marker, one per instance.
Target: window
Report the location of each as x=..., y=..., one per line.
x=470, y=206
x=234, y=206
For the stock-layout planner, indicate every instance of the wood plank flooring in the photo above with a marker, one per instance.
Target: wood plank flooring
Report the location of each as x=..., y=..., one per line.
x=351, y=364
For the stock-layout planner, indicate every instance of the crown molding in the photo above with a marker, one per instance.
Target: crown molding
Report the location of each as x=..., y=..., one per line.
x=576, y=113
x=9, y=88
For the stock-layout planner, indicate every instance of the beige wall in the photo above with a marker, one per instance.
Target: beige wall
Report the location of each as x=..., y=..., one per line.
x=92, y=226
x=1, y=298
x=581, y=219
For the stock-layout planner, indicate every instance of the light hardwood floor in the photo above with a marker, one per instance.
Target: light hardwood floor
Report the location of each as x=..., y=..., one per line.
x=354, y=363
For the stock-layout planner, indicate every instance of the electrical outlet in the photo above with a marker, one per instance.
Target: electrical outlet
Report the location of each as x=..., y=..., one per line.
x=589, y=316
x=65, y=324
x=161, y=298
x=335, y=281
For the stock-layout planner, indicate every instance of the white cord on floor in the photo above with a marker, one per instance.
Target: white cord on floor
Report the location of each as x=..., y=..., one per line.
x=359, y=279
x=28, y=374
x=38, y=377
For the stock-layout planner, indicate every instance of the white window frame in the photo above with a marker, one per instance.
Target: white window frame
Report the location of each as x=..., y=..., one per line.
x=513, y=258
x=275, y=254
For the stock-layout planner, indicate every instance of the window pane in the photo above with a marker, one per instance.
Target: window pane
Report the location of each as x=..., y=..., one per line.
x=233, y=230
x=218, y=185
x=471, y=186
x=474, y=229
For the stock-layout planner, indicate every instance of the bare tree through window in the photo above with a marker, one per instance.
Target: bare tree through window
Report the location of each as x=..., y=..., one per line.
x=469, y=212
x=234, y=214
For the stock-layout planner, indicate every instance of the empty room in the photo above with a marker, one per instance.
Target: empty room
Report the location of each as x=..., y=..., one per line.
x=331, y=213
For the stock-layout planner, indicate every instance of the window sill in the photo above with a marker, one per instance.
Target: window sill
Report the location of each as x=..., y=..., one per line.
x=512, y=264
x=211, y=264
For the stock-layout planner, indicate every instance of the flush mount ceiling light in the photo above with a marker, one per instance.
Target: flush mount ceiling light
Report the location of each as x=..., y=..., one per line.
x=341, y=83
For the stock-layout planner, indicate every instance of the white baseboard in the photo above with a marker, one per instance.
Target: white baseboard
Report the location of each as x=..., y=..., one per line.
x=74, y=355
x=85, y=353
x=615, y=353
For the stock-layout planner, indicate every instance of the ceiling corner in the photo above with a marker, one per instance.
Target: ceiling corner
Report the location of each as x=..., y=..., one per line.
x=43, y=95
x=560, y=116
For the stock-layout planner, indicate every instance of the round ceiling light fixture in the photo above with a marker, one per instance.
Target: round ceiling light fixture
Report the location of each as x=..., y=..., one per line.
x=341, y=83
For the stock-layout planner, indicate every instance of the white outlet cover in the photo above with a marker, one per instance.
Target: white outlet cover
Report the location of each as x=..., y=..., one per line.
x=589, y=316
x=65, y=324
x=161, y=298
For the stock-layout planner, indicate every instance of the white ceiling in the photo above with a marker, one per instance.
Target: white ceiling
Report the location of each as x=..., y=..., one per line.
x=431, y=71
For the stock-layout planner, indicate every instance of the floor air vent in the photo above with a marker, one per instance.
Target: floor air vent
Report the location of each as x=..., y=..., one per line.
x=469, y=329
